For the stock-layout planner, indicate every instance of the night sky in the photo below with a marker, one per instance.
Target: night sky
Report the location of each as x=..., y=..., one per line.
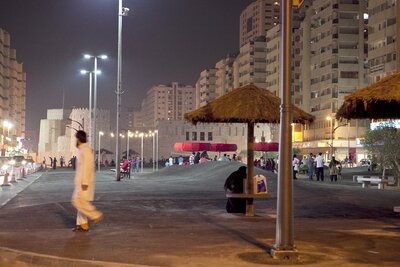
x=163, y=41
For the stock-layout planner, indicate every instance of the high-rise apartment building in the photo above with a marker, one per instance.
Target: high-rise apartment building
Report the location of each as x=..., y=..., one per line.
x=333, y=64
x=383, y=48
x=12, y=87
x=167, y=102
x=206, y=87
x=250, y=65
x=224, y=82
x=257, y=19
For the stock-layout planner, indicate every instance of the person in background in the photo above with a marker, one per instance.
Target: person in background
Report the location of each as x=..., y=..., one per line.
x=215, y=158
x=223, y=158
x=229, y=157
x=191, y=158
x=295, y=164
x=310, y=166
x=180, y=160
x=197, y=158
x=320, y=167
x=234, y=158
x=170, y=161
x=334, y=169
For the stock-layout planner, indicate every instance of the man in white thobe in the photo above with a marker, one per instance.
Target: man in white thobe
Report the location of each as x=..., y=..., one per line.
x=84, y=185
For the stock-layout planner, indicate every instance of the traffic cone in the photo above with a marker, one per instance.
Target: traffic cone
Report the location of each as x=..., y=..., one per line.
x=5, y=182
x=13, y=177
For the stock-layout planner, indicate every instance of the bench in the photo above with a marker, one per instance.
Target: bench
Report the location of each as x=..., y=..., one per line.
x=366, y=181
x=249, y=200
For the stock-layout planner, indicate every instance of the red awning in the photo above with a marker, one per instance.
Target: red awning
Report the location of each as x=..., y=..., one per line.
x=263, y=146
x=191, y=146
x=219, y=147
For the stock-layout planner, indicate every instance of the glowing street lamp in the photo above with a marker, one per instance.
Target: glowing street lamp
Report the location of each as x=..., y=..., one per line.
x=87, y=56
x=84, y=72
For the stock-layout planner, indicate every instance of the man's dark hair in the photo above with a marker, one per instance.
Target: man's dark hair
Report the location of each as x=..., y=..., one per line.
x=81, y=136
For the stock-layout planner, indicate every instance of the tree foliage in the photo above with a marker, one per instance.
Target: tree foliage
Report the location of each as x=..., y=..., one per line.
x=384, y=145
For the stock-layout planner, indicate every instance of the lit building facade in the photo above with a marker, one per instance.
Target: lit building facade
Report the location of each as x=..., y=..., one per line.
x=383, y=46
x=206, y=87
x=167, y=102
x=257, y=18
x=224, y=74
x=12, y=91
x=333, y=38
x=249, y=66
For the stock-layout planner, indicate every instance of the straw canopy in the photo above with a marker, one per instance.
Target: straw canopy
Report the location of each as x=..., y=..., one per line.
x=248, y=104
x=380, y=100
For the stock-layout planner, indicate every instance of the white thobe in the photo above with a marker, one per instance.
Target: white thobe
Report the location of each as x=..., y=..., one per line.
x=84, y=176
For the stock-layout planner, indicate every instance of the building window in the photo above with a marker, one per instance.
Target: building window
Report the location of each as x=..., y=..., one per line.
x=202, y=136
x=194, y=136
x=187, y=136
x=210, y=136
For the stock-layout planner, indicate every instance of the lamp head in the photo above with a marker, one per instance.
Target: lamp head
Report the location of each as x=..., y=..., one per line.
x=83, y=72
x=87, y=56
x=103, y=56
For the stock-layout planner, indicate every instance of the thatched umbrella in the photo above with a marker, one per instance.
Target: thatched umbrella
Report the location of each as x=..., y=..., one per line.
x=380, y=100
x=248, y=104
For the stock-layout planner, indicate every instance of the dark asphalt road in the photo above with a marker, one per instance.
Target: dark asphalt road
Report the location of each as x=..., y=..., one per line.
x=177, y=218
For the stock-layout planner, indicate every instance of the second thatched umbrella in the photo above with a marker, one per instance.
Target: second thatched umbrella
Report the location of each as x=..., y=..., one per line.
x=249, y=104
x=380, y=100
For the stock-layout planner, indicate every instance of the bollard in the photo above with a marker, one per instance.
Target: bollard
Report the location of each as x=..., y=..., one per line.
x=5, y=182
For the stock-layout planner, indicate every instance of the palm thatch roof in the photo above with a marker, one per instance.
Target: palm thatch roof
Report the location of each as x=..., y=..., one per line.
x=248, y=104
x=380, y=100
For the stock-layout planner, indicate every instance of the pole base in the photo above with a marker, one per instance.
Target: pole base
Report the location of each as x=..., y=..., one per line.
x=285, y=255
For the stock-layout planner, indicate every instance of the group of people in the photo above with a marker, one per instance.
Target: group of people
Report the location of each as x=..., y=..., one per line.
x=53, y=162
x=265, y=163
x=199, y=158
x=315, y=166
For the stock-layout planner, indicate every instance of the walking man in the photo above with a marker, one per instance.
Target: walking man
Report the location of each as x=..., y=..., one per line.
x=84, y=185
x=320, y=167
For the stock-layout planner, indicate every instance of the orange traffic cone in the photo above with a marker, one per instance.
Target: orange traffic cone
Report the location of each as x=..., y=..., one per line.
x=5, y=182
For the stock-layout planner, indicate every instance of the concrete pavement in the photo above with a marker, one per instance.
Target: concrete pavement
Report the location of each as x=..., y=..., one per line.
x=177, y=218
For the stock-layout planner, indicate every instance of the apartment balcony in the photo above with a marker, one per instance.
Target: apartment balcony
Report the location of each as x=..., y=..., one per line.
x=344, y=37
x=348, y=23
x=376, y=68
x=348, y=52
x=348, y=67
x=348, y=82
x=348, y=7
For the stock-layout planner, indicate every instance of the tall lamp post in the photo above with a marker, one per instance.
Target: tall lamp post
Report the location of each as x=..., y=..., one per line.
x=122, y=11
x=95, y=91
x=99, y=154
x=84, y=72
x=152, y=134
x=156, y=132
x=128, y=135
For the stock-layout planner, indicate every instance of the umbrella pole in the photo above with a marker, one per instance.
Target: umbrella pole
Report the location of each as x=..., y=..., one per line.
x=250, y=168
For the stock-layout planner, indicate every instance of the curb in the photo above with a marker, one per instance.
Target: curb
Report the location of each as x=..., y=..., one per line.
x=17, y=258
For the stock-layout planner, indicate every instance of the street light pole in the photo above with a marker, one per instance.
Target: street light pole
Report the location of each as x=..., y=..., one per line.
x=90, y=109
x=156, y=132
x=99, y=154
x=121, y=12
x=141, y=153
x=153, y=155
x=284, y=242
x=94, y=101
x=127, y=144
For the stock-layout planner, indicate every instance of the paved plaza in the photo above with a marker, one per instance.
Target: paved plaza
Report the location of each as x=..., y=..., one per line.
x=177, y=217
